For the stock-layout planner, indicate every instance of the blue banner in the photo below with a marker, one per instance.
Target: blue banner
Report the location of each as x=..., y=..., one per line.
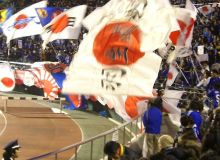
x=47, y=14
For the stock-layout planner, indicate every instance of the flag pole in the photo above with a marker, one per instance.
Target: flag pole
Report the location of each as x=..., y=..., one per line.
x=182, y=73
x=194, y=68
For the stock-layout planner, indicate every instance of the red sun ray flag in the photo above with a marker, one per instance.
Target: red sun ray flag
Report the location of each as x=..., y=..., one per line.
x=66, y=25
x=7, y=79
x=24, y=23
x=186, y=18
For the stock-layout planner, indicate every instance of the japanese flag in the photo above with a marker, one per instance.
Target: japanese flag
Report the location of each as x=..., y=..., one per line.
x=172, y=74
x=206, y=9
x=7, y=78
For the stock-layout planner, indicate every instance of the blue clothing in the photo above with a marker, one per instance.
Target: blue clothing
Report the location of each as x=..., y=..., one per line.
x=197, y=118
x=214, y=95
x=152, y=120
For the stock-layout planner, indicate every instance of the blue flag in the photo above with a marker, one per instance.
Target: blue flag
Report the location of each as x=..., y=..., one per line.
x=47, y=14
x=4, y=15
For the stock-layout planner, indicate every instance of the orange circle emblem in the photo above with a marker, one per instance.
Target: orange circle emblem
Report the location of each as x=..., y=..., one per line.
x=118, y=44
x=60, y=24
x=20, y=25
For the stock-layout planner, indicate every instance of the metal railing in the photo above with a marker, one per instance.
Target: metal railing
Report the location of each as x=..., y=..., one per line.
x=35, y=98
x=123, y=133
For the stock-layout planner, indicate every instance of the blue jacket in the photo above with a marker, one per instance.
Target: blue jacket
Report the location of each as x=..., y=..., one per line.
x=152, y=120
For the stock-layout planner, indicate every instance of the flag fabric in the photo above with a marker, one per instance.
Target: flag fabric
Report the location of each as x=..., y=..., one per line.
x=4, y=15
x=186, y=18
x=202, y=57
x=75, y=101
x=170, y=101
x=127, y=107
x=67, y=25
x=206, y=10
x=40, y=78
x=24, y=23
x=109, y=59
x=47, y=14
x=7, y=79
x=156, y=23
x=172, y=74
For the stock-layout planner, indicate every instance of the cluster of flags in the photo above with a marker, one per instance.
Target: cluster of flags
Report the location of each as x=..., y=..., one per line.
x=116, y=59
x=50, y=22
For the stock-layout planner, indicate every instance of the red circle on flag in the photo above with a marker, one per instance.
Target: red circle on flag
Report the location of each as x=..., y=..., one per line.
x=118, y=43
x=170, y=75
x=8, y=82
x=60, y=24
x=20, y=25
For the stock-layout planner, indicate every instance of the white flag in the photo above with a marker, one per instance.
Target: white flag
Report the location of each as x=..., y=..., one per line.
x=109, y=59
x=170, y=101
x=206, y=9
x=172, y=74
x=127, y=107
x=156, y=24
x=186, y=18
x=7, y=78
x=67, y=25
x=24, y=23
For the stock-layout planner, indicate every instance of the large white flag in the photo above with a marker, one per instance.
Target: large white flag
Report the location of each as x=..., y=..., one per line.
x=24, y=23
x=7, y=78
x=67, y=25
x=110, y=59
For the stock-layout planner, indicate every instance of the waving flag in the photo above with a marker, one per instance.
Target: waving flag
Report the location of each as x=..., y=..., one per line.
x=4, y=15
x=109, y=59
x=47, y=14
x=24, y=23
x=172, y=74
x=186, y=18
x=206, y=9
x=127, y=107
x=65, y=26
x=40, y=78
x=7, y=79
x=170, y=101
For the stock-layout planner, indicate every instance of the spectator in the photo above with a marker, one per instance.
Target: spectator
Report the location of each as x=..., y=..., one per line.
x=152, y=121
x=115, y=150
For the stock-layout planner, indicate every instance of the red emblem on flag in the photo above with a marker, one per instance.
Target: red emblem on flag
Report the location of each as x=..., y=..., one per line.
x=183, y=33
x=170, y=75
x=118, y=44
x=205, y=9
x=7, y=82
x=18, y=24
